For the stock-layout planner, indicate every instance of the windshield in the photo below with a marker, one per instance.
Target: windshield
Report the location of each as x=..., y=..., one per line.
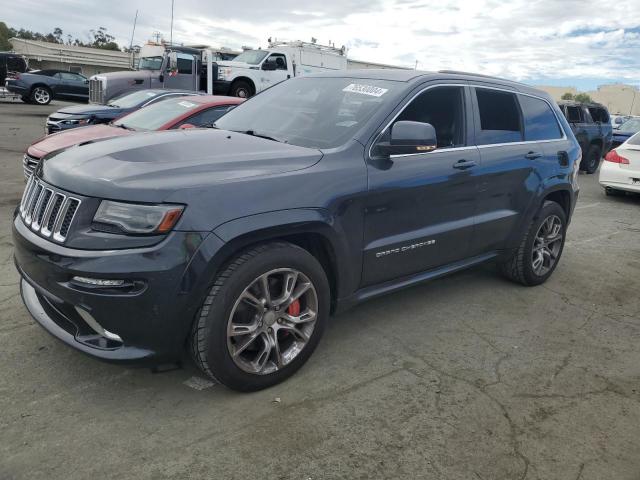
x=129, y=100
x=253, y=57
x=311, y=112
x=150, y=63
x=156, y=115
x=632, y=125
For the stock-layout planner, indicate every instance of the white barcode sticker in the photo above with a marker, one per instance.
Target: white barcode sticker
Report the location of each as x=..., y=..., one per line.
x=365, y=89
x=187, y=104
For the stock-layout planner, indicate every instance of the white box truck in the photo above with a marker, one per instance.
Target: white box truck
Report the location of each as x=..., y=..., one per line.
x=254, y=70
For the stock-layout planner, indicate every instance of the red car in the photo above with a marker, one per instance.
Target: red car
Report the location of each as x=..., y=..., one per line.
x=181, y=112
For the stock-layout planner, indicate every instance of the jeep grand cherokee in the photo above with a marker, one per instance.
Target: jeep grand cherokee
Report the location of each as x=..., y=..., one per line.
x=320, y=192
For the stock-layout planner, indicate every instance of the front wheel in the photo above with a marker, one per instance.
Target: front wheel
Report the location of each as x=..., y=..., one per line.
x=539, y=252
x=241, y=89
x=41, y=96
x=263, y=317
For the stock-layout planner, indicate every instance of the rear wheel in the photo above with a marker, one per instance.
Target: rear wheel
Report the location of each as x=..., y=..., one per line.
x=241, y=89
x=592, y=162
x=612, y=192
x=263, y=317
x=539, y=252
x=41, y=95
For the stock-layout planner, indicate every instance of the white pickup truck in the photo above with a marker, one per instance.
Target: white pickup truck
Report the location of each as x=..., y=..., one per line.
x=254, y=70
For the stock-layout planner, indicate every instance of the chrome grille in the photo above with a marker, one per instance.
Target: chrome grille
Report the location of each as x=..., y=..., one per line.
x=29, y=164
x=96, y=94
x=47, y=211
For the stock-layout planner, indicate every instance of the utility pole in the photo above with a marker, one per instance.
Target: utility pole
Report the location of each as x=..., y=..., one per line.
x=133, y=32
x=171, y=33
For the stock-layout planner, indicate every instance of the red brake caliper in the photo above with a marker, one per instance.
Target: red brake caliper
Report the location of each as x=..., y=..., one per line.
x=294, y=308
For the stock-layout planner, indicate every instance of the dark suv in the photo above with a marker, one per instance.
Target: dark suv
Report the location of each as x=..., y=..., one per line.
x=318, y=193
x=592, y=128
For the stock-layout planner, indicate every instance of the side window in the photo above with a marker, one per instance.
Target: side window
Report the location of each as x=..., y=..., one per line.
x=279, y=60
x=540, y=123
x=599, y=114
x=442, y=107
x=206, y=117
x=573, y=114
x=58, y=76
x=185, y=63
x=499, y=114
x=71, y=77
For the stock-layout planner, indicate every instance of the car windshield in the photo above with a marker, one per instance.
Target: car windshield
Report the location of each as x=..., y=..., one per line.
x=253, y=57
x=150, y=63
x=632, y=125
x=156, y=115
x=129, y=100
x=311, y=112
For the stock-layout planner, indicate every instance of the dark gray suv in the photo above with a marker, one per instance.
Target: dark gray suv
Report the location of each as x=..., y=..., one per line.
x=318, y=193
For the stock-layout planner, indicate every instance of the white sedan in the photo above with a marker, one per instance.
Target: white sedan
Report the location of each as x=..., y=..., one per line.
x=621, y=169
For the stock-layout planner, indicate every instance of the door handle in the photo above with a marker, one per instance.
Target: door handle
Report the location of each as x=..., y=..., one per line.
x=464, y=164
x=532, y=155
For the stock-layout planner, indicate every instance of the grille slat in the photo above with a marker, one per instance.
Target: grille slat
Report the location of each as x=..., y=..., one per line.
x=48, y=211
x=29, y=164
x=96, y=94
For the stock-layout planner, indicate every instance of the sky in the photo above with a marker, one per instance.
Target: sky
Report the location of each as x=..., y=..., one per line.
x=581, y=43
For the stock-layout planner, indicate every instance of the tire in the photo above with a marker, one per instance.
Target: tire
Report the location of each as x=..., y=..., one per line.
x=41, y=95
x=521, y=266
x=593, y=160
x=235, y=303
x=241, y=89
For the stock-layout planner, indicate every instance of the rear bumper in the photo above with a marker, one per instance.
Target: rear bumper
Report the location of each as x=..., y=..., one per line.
x=613, y=175
x=16, y=88
x=145, y=323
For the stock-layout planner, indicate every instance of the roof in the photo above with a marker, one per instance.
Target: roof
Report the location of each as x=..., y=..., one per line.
x=573, y=103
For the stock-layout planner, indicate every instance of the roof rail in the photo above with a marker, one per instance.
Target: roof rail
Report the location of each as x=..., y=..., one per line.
x=301, y=44
x=458, y=72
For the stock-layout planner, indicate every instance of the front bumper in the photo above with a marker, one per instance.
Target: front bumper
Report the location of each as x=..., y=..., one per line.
x=614, y=176
x=221, y=87
x=146, y=324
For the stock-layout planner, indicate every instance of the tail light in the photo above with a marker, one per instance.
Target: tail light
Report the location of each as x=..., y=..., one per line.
x=613, y=157
x=13, y=76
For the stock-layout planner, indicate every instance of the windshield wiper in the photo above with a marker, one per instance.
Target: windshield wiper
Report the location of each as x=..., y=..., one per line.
x=122, y=125
x=253, y=133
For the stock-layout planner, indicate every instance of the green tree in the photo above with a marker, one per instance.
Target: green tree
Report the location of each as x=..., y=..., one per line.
x=583, y=98
x=4, y=37
x=567, y=96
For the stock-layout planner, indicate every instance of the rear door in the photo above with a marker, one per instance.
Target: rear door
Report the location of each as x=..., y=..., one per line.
x=420, y=207
x=507, y=174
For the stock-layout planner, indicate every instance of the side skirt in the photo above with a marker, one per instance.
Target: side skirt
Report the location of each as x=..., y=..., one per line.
x=403, y=282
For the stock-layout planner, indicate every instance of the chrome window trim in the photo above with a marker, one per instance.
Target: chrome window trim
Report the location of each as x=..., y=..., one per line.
x=469, y=147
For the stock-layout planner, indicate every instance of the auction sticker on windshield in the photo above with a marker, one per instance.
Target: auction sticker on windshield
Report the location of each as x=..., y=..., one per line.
x=365, y=89
x=187, y=104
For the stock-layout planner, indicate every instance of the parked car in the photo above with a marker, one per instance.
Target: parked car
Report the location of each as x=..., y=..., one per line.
x=620, y=171
x=81, y=115
x=591, y=125
x=42, y=86
x=176, y=112
x=617, y=120
x=624, y=131
x=321, y=192
x=11, y=63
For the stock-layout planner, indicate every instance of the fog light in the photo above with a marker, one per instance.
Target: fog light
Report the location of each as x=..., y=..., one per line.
x=86, y=316
x=98, y=282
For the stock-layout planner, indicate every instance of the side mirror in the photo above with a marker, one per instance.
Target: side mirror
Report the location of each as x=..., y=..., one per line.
x=173, y=61
x=186, y=126
x=409, y=137
x=269, y=66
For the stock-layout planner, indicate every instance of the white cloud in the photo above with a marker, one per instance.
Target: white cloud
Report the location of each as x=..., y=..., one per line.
x=520, y=39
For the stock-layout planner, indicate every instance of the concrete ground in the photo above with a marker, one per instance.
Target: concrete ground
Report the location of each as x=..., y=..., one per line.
x=468, y=377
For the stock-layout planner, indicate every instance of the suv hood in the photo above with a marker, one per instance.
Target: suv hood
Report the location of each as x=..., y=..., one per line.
x=152, y=166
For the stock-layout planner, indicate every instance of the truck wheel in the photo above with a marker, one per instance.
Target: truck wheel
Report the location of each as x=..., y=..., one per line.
x=539, y=252
x=262, y=318
x=592, y=162
x=41, y=96
x=241, y=89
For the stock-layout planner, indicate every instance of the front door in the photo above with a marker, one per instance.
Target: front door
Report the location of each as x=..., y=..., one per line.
x=420, y=207
x=184, y=77
x=278, y=71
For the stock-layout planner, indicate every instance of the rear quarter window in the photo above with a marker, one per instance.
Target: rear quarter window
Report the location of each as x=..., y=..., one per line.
x=540, y=122
x=599, y=114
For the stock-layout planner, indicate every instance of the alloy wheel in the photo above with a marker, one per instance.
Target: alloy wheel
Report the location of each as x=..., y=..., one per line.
x=272, y=321
x=41, y=95
x=547, y=245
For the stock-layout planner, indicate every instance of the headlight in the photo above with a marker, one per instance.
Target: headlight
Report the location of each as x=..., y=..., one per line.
x=82, y=121
x=223, y=73
x=138, y=218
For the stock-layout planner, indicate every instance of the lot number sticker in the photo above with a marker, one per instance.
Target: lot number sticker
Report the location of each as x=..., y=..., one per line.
x=186, y=104
x=365, y=90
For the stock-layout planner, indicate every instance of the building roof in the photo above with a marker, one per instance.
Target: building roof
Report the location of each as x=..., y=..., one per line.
x=36, y=50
